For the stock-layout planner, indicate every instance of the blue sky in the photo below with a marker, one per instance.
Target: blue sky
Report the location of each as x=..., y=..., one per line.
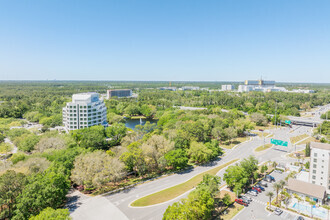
x=220, y=40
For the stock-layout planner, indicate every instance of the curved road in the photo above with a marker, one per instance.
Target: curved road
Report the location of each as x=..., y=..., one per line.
x=122, y=200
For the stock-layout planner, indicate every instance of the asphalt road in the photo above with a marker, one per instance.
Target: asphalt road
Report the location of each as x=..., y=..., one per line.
x=123, y=199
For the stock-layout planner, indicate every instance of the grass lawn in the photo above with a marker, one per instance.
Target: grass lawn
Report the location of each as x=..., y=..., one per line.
x=310, y=139
x=232, y=211
x=259, y=133
x=298, y=138
x=262, y=147
x=302, y=155
x=138, y=117
x=177, y=190
x=223, y=192
x=230, y=145
x=269, y=126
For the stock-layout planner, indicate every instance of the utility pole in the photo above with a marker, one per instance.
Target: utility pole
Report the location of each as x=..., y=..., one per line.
x=263, y=137
x=275, y=113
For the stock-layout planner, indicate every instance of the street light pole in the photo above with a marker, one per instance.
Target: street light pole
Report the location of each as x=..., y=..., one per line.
x=275, y=113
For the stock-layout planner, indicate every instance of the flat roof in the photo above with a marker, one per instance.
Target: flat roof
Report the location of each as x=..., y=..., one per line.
x=319, y=145
x=306, y=188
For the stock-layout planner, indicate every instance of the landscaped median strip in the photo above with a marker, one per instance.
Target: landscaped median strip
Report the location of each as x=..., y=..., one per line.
x=262, y=147
x=177, y=190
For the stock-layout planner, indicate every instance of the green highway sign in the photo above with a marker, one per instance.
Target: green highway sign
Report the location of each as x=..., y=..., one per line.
x=279, y=142
x=288, y=122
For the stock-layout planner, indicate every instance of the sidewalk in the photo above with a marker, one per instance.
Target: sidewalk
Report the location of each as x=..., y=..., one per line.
x=84, y=207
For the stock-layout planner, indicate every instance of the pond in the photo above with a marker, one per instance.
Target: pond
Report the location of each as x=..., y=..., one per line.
x=131, y=123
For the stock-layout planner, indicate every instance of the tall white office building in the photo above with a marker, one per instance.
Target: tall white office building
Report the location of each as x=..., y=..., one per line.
x=319, y=173
x=85, y=110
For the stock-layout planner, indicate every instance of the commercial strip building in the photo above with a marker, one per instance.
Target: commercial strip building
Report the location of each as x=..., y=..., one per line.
x=120, y=93
x=320, y=165
x=304, y=189
x=227, y=87
x=168, y=88
x=85, y=110
x=184, y=88
x=302, y=91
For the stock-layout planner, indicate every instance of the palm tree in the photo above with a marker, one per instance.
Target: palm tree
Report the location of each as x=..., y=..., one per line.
x=287, y=198
x=298, y=198
x=270, y=195
x=312, y=203
x=274, y=164
x=277, y=187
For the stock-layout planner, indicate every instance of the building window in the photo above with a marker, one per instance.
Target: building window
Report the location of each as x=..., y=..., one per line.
x=314, y=165
x=314, y=171
x=315, y=154
x=313, y=177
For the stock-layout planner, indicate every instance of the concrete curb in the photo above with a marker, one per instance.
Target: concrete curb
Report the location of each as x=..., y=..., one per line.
x=176, y=185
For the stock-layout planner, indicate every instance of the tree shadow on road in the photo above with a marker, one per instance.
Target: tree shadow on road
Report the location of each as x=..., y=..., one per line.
x=73, y=203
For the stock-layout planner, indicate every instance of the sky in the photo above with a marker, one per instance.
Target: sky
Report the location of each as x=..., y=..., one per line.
x=165, y=40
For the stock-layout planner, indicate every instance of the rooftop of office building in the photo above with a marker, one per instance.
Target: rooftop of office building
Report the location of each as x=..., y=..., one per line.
x=322, y=146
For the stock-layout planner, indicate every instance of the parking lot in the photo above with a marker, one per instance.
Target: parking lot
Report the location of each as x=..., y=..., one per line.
x=257, y=208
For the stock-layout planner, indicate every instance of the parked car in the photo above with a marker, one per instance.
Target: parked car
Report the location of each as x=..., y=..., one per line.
x=263, y=183
x=252, y=193
x=247, y=198
x=269, y=178
x=260, y=187
x=278, y=211
x=256, y=188
x=240, y=201
x=299, y=218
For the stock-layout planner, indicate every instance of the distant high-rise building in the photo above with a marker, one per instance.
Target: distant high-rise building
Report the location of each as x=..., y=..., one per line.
x=85, y=110
x=119, y=93
x=261, y=83
x=260, y=86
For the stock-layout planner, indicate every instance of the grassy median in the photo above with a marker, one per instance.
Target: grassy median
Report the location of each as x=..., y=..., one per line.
x=262, y=147
x=298, y=138
x=177, y=190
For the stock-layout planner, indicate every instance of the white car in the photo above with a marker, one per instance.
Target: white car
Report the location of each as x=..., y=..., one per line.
x=278, y=211
x=252, y=193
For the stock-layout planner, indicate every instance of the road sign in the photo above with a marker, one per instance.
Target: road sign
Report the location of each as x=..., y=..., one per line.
x=279, y=142
x=287, y=122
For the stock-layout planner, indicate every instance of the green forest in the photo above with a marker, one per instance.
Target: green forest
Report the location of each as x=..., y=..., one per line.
x=35, y=180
